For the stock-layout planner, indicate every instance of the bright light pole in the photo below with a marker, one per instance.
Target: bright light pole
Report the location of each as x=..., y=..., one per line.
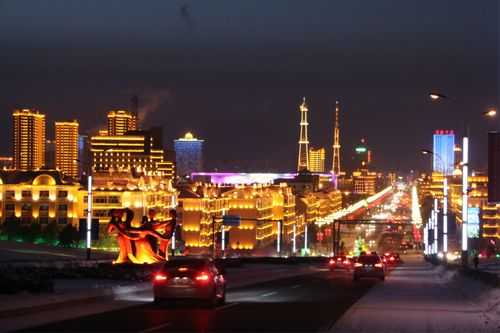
x=88, y=231
x=445, y=204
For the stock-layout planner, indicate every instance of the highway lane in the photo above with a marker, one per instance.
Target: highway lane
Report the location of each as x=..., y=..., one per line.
x=298, y=304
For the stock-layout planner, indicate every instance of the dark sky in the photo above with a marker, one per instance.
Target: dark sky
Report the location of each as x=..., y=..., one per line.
x=233, y=72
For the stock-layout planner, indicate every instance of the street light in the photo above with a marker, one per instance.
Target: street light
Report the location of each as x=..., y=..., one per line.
x=490, y=113
x=436, y=96
x=89, y=210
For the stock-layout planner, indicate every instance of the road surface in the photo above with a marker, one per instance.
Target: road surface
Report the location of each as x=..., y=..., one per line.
x=304, y=303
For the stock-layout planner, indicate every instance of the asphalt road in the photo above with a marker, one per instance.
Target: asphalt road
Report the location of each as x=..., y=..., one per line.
x=305, y=303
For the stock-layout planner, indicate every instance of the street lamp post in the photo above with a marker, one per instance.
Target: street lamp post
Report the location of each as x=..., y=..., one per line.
x=88, y=231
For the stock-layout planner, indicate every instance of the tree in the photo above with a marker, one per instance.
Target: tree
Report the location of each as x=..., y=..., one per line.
x=33, y=232
x=11, y=227
x=69, y=236
x=50, y=233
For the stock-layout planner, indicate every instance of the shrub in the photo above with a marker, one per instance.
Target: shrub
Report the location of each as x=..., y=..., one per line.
x=69, y=236
x=50, y=233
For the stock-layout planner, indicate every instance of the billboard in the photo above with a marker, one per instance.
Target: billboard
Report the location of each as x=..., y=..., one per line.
x=473, y=222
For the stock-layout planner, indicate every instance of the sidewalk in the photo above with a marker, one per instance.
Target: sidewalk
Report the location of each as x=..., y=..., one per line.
x=417, y=297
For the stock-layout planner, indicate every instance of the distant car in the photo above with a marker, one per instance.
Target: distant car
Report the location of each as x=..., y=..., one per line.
x=391, y=258
x=369, y=266
x=190, y=278
x=339, y=262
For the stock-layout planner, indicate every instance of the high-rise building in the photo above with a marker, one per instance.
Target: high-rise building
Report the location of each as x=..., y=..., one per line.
x=50, y=154
x=443, y=160
x=83, y=154
x=494, y=167
x=317, y=160
x=120, y=122
x=364, y=182
x=336, y=141
x=28, y=139
x=67, y=147
x=303, y=157
x=136, y=151
x=188, y=155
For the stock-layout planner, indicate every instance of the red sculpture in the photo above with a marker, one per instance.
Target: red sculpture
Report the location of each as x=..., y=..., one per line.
x=146, y=244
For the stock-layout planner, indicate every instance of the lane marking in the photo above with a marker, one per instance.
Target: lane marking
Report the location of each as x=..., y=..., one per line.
x=230, y=305
x=154, y=328
x=296, y=286
x=269, y=294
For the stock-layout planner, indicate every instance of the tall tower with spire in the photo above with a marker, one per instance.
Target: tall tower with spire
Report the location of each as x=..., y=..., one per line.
x=336, y=141
x=303, y=158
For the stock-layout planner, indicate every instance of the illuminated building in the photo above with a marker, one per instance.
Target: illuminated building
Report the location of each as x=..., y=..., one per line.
x=139, y=151
x=188, y=155
x=261, y=203
x=317, y=159
x=127, y=190
x=303, y=157
x=29, y=139
x=443, y=147
x=6, y=162
x=67, y=147
x=50, y=154
x=38, y=196
x=198, y=205
x=494, y=166
x=120, y=122
x=364, y=182
x=336, y=141
x=478, y=198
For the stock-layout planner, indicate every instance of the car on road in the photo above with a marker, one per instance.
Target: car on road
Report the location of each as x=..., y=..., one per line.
x=369, y=266
x=391, y=258
x=190, y=279
x=339, y=262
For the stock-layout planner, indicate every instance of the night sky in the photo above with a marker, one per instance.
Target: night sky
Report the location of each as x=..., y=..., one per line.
x=234, y=72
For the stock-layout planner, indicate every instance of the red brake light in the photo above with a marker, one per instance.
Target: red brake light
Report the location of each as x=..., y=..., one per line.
x=384, y=260
x=159, y=277
x=339, y=259
x=387, y=254
x=331, y=262
x=378, y=265
x=346, y=262
x=391, y=258
x=357, y=264
x=202, y=277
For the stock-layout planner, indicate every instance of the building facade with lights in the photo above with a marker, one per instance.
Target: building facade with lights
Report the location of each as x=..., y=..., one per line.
x=140, y=193
x=443, y=147
x=67, y=147
x=317, y=159
x=364, y=182
x=139, y=151
x=28, y=139
x=188, y=155
x=120, y=122
x=38, y=197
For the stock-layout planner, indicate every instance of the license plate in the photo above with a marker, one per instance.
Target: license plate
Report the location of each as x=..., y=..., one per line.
x=368, y=268
x=181, y=281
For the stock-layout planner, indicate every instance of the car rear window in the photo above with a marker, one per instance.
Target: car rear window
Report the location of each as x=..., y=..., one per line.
x=190, y=263
x=368, y=259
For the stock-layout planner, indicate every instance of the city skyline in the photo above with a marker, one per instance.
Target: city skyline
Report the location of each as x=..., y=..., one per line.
x=175, y=82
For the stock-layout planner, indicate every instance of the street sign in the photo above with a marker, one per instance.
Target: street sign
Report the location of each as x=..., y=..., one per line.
x=94, y=231
x=231, y=220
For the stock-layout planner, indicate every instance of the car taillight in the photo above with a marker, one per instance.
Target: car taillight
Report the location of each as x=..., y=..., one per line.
x=391, y=258
x=331, y=262
x=160, y=277
x=378, y=265
x=384, y=260
x=346, y=262
x=203, y=277
x=357, y=264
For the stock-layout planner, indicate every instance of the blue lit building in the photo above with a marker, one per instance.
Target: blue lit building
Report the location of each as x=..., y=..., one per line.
x=188, y=155
x=444, y=151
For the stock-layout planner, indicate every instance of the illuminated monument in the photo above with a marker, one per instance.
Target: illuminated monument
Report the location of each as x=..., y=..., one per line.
x=303, y=158
x=336, y=141
x=444, y=155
